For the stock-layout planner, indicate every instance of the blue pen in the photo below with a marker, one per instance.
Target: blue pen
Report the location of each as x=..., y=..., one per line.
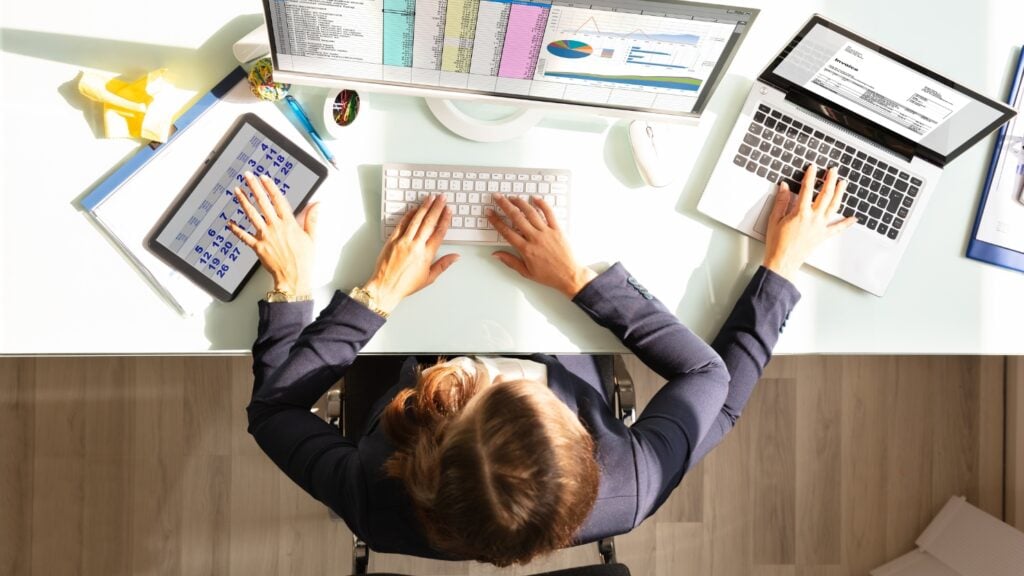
x=301, y=115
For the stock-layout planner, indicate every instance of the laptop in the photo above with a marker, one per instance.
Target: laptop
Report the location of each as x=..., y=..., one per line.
x=890, y=125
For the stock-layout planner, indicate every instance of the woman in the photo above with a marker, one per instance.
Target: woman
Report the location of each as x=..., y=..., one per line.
x=495, y=459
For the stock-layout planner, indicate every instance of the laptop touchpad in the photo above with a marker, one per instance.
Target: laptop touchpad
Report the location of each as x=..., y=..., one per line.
x=761, y=226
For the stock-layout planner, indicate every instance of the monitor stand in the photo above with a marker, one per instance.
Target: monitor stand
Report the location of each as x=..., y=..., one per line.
x=479, y=130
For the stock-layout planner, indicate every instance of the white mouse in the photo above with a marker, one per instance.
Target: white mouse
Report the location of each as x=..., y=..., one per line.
x=651, y=152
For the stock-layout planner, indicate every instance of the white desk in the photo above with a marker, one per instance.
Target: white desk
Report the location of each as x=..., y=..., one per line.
x=65, y=290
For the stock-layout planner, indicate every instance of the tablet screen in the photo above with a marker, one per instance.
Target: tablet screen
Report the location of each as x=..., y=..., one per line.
x=196, y=231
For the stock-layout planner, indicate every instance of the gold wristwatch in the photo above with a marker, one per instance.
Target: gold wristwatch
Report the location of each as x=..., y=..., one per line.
x=364, y=297
x=285, y=296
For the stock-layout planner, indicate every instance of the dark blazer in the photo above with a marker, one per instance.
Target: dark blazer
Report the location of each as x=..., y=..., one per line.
x=295, y=362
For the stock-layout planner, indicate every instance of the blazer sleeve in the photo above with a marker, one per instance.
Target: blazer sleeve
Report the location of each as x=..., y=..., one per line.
x=745, y=343
x=679, y=415
x=294, y=364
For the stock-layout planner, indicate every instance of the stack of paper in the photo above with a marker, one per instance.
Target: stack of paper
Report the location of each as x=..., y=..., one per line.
x=962, y=541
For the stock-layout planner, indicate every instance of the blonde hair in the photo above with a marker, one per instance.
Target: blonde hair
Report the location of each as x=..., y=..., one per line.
x=499, y=473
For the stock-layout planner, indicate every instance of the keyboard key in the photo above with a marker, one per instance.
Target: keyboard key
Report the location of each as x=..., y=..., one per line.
x=770, y=123
x=897, y=224
x=752, y=166
x=775, y=114
x=455, y=185
x=819, y=134
x=872, y=224
x=892, y=170
x=410, y=196
x=893, y=233
x=913, y=192
x=883, y=228
x=883, y=165
x=830, y=139
x=745, y=150
x=760, y=117
x=762, y=171
x=904, y=176
x=394, y=195
x=908, y=201
x=764, y=108
x=889, y=180
x=903, y=213
x=887, y=218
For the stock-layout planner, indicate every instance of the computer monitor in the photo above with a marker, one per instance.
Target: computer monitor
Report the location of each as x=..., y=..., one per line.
x=615, y=57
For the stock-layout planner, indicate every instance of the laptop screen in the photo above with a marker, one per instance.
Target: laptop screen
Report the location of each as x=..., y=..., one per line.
x=888, y=91
x=643, y=55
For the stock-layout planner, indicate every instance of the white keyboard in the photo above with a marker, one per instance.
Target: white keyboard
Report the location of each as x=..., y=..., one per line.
x=469, y=190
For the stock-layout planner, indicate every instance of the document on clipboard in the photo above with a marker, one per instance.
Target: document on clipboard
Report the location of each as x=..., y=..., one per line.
x=126, y=205
x=998, y=235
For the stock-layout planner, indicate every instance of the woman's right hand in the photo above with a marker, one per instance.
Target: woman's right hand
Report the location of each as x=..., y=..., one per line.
x=797, y=227
x=406, y=264
x=545, y=256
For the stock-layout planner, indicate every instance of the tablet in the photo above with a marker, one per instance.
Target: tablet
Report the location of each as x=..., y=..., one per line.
x=192, y=235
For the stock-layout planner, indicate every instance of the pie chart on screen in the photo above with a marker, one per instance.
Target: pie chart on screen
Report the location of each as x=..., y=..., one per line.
x=570, y=49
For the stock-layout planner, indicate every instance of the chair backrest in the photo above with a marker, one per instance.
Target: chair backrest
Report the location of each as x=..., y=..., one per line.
x=597, y=570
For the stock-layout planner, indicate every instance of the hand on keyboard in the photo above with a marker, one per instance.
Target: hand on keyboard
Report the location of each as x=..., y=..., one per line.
x=406, y=263
x=545, y=256
x=798, y=225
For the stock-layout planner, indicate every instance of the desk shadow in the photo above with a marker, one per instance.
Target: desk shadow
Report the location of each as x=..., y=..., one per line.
x=359, y=254
x=131, y=58
x=706, y=303
x=735, y=88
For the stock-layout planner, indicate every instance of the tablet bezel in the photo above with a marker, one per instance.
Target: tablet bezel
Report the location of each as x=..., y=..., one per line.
x=182, y=266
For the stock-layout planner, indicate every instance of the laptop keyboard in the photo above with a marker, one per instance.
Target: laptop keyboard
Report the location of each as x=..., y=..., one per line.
x=779, y=148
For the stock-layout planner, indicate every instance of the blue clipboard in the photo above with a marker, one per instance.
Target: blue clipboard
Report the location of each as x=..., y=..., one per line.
x=985, y=251
x=133, y=165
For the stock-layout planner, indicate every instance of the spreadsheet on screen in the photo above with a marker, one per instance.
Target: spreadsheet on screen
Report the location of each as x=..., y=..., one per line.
x=632, y=54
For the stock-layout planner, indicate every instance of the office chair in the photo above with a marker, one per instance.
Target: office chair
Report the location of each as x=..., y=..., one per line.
x=349, y=406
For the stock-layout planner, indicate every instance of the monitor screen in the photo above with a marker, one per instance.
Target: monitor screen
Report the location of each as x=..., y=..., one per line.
x=886, y=90
x=642, y=55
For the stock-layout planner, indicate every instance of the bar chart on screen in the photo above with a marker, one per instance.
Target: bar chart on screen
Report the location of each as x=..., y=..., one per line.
x=620, y=49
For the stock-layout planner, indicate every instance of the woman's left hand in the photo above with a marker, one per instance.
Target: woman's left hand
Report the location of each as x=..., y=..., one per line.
x=284, y=246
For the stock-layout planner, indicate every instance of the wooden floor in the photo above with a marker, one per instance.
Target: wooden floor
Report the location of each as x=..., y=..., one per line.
x=143, y=466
